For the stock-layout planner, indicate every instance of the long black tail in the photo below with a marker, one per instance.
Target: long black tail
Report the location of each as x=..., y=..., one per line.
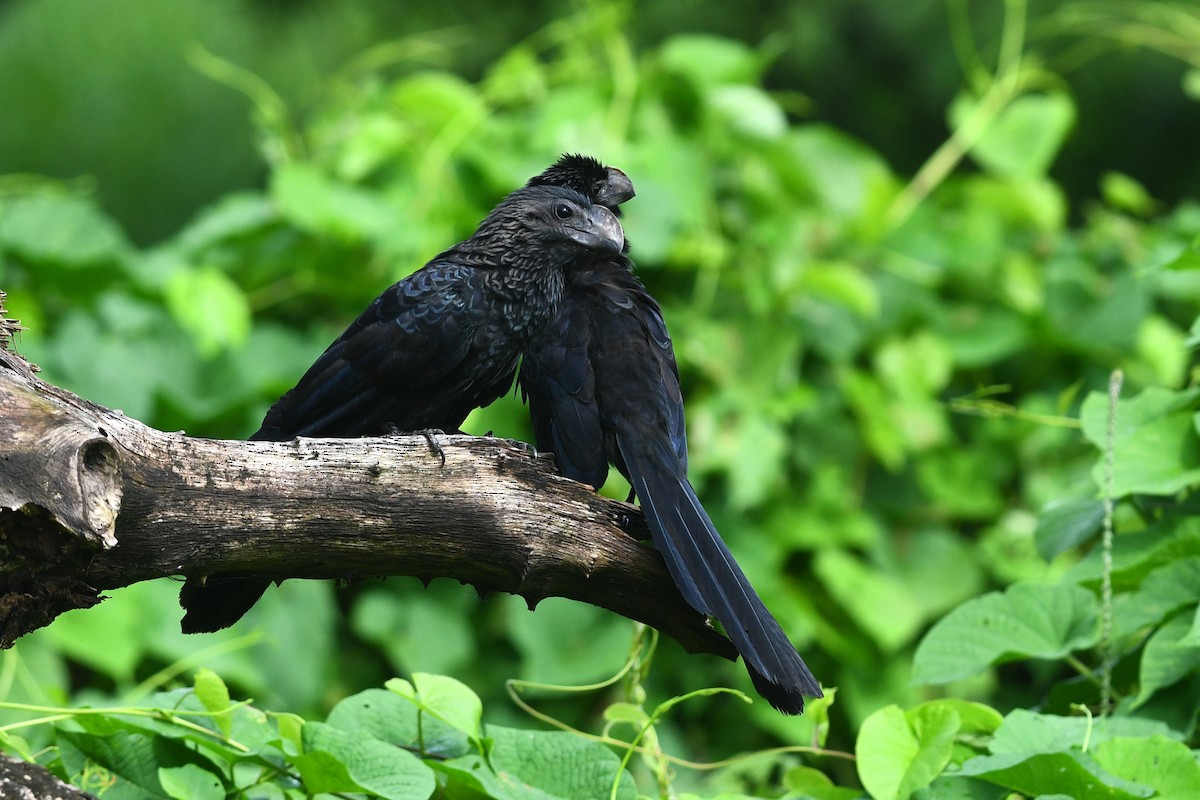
x=219, y=603
x=711, y=580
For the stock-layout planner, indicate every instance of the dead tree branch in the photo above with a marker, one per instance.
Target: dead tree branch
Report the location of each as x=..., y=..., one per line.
x=91, y=500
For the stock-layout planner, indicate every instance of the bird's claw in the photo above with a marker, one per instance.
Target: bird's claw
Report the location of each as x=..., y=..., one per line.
x=434, y=447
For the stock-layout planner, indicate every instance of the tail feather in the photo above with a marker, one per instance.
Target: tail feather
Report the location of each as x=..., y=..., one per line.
x=711, y=580
x=219, y=603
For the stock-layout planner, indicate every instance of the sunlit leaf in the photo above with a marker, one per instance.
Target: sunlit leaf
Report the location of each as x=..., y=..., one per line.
x=1025, y=138
x=899, y=753
x=1166, y=765
x=209, y=306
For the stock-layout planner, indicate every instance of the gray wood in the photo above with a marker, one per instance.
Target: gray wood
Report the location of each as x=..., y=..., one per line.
x=91, y=500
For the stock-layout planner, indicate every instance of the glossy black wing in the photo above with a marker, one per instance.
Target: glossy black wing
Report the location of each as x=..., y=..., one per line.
x=424, y=354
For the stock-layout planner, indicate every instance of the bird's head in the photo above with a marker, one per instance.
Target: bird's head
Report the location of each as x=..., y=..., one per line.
x=554, y=217
x=607, y=186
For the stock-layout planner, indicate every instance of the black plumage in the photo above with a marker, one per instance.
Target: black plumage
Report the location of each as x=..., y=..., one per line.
x=603, y=386
x=432, y=347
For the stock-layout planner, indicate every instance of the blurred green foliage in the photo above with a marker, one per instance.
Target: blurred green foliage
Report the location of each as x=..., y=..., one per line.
x=891, y=386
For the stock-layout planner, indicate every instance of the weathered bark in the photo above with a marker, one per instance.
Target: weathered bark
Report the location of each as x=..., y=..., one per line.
x=91, y=500
x=21, y=780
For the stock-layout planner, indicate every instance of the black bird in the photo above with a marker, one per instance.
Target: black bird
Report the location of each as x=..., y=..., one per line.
x=432, y=347
x=603, y=386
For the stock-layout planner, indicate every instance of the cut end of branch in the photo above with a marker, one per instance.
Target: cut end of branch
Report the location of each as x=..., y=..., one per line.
x=9, y=328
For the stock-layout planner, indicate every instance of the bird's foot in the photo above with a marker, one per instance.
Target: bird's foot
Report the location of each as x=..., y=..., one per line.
x=430, y=435
x=525, y=447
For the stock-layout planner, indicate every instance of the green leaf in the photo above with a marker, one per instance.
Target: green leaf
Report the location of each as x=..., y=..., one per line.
x=960, y=484
x=401, y=623
x=1192, y=637
x=973, y=718
x=862, y=590
x=1156, y=449
x=1023, y=140
x=191, y=782
x=957, y=787
x=313, y=201
x=1135, y=555
x=709, y=60
x=1028, y=620
x=517, y=76
x=132, y=759
x=248, y=727
x=848, y=179
x=1168, y=657
x=290, y=727
x=126, y=640
x=559, y=764
x=11, y=743
x=355, y=762
x=1066, y=524
x=209, y=306
x=869, y=402
x=471, y=776
x=627, y=713
x=237, y=214
x=1161, y=353
x=437, y=100
x=1167, y=766
x=749, y=110
x=983, y=336
x=808, y=782
x=899, y=753
x=213, y=693
x=1191, y=83
x=323, y=772
x=1025, y=731
x=1073, y=774
x=449, y=700
x=380, y=713
x=1186, y=260
x=1163, y=592
x=63, y=230
x=939, y=570
x=567, y=642
x=841, y=283
x=1125, y=193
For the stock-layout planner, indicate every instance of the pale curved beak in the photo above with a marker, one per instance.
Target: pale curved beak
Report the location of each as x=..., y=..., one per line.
x=616, y=190
x=598, y=229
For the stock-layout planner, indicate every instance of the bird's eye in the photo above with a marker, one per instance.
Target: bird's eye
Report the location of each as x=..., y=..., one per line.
x=563, y=211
